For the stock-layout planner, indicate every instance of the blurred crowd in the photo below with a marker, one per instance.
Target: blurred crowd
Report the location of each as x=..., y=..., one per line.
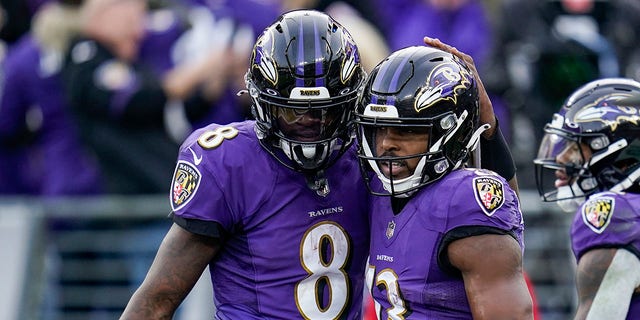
x=97, y=95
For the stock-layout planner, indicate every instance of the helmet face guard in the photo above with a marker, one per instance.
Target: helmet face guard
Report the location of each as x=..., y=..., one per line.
x=304, y=78
x=570, y=178
x=423, y=90
x=312, y=134
x=368, y=131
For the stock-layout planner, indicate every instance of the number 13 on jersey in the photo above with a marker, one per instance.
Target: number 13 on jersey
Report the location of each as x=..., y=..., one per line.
x=387, y=280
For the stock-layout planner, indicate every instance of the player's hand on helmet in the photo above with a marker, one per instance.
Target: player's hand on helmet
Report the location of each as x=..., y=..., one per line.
x=486, y=108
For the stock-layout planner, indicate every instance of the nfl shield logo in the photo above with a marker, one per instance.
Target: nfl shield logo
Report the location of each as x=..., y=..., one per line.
x=596, y=213
x=391, y=228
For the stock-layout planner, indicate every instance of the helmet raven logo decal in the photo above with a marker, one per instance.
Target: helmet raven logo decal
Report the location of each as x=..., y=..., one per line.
x=266, y=66
x=442, y=84
x=596, y=213
x=608, y=112
x=489, y=194
x=350, y=62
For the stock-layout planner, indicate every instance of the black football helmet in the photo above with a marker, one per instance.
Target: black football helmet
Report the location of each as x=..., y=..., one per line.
x=427, y=89
x=592, y=144
x=303, y=79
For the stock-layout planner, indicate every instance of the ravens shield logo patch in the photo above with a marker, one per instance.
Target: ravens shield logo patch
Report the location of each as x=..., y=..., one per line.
x=489, y=194
x=186, y=180
x=596, y=213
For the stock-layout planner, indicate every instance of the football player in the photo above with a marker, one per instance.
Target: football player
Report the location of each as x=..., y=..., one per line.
x=446, y=241
x=589, y=163
x=275, y=207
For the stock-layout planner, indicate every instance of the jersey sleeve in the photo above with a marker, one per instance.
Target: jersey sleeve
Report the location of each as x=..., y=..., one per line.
x=481, y=202
x=222, y=178
x=606, y=220
x=198, y=199
x=482, y=198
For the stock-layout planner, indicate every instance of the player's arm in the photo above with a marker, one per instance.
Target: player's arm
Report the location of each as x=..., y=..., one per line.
x=181, y=259
x=491, y=266
x=606, y=279
x=495, y=152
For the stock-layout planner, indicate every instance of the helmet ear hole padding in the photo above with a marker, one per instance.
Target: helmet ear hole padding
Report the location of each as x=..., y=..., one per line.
x=291, y=77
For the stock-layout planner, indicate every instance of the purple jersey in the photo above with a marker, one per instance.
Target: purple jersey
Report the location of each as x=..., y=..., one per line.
x=289, y=253
x=409, y=274
x=609, y=220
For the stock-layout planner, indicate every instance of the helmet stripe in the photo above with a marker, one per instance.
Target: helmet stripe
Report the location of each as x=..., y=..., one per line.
x=377, y=83
x=318, y=55
x=393, y=85
x=305, y=55
x=384, y=83
x=300, y=57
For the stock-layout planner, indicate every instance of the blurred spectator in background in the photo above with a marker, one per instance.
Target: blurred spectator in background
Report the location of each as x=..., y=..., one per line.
x=40, y=149
x=179, y=32
x=120, y=104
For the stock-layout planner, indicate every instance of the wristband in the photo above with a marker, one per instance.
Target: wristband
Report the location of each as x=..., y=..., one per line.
x=496, y=156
